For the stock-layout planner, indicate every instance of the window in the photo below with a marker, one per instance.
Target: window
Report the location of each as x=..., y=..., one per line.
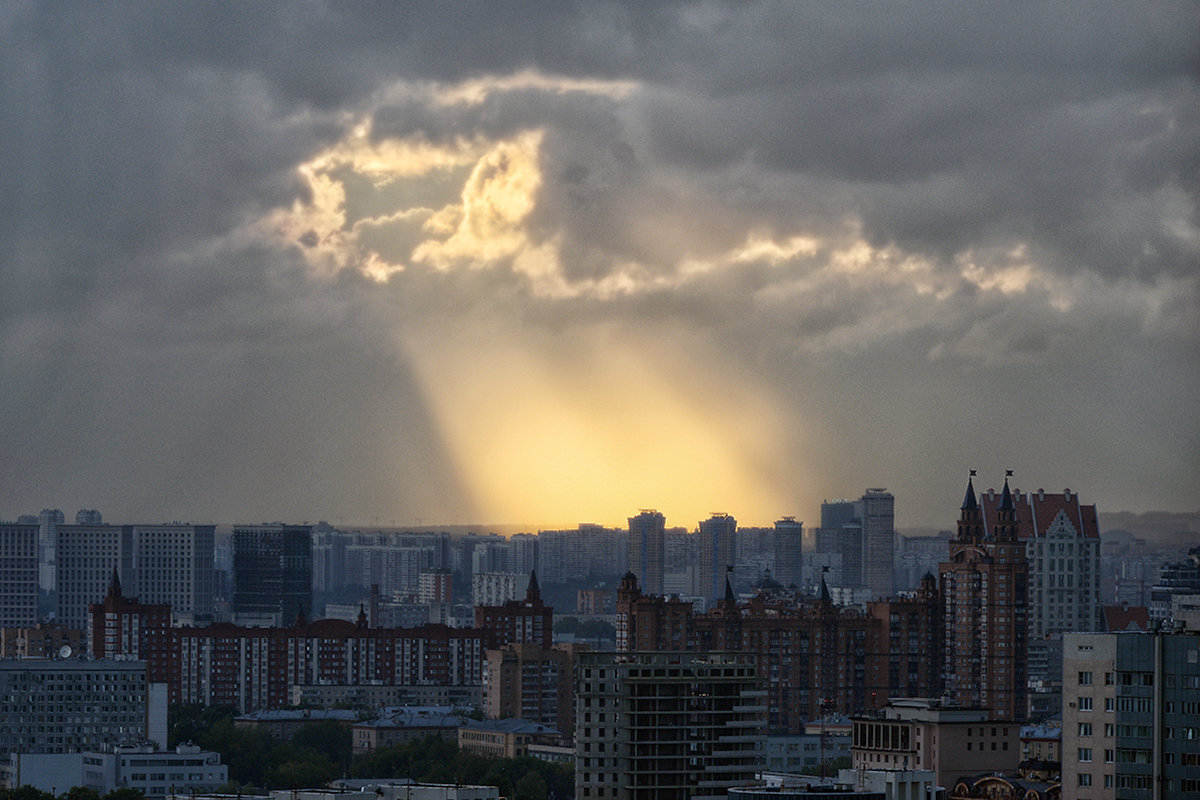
x=1109, y=702
x=1085, y=779
x=1085, y=754
x=1085, y=678
x=1085, y=729
x=1085, y=704
x=1108, y=729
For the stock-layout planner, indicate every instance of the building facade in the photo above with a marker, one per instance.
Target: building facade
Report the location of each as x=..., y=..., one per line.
x=1131, y=716
x=787, y=544
x=878, y=542
x=528, y=621
x=531, y=683
x=667, y=726
x=718, y=554
x=924, y=734
x=173, y=564
x=253, y=668
x=647, y=549
x=272, y=573
x=985, y=600
x=1061, y=537
x=18, y=575
x=86, y=556
x=66, y=705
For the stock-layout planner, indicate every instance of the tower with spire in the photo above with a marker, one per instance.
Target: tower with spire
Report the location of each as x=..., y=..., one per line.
x=985, y=590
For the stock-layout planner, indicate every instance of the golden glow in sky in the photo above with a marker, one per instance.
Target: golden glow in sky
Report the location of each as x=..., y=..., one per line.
x=586, y=424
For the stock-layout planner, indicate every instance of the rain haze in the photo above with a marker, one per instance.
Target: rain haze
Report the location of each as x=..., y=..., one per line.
x=549, y=263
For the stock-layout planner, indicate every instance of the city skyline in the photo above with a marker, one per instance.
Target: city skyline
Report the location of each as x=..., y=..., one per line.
x=552, y=264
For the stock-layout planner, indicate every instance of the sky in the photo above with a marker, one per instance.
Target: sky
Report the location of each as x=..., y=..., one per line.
x=548, y=263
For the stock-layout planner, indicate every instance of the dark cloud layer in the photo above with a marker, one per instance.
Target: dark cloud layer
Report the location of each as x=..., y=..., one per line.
x=1001, y=203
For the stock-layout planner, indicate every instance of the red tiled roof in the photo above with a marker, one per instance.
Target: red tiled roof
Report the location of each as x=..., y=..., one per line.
x=1036, y=512
x=1125, y=618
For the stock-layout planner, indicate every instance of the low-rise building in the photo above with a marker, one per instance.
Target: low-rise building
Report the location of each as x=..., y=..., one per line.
x=924, y=734
x=282, y=724
x=401, y=725
x=155, y=773
x=70, y=705
x=505, y=738
x=41, y=641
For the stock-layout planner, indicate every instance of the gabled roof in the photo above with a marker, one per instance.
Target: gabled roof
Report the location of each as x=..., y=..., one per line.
x=1036, y=512
x=1126, y=618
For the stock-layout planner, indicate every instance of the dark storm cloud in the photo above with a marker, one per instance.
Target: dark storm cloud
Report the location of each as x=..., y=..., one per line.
x=148, y=342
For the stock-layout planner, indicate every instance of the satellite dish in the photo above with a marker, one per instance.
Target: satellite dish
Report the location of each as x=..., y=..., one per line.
x=64, y=651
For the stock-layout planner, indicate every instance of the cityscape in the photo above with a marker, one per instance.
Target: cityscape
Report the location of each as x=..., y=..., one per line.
x=654, y=660
x=606, y=400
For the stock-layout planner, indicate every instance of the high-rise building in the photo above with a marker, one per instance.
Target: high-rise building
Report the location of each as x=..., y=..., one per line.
x=666, y=726
x=717, y=555
x=122, y=627
x=813, y=657
x=435, y=586
x=1061, y=537
x=788, y=545
x=878, y=541
x=518, y=621
x=272, y=572
x=173, y=564
x=18, y=575
x=985, y=593
x=86, y=557
x=529, y=682
x=1130, y=711
x=497, y=588
x=647, y=549
x=48, y=521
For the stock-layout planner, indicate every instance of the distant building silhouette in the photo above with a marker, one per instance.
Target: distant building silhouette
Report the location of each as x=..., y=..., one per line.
x=18, y=575
x=788, y=549
x=717, y=555
x=647, y=549
x=272, y=573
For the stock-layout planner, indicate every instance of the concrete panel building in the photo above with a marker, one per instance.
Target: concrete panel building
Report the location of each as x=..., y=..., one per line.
x=18, y=575
x=667, y=726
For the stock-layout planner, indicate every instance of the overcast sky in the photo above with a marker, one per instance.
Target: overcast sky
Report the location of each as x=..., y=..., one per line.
x=552, y=263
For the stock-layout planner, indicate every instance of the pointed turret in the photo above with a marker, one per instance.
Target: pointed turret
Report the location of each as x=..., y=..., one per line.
x=969, y=501
x=826, y=598
x=730, y=597
x=1006, y=500
x=114, y=584
x=362, y=616
x=970, y=517
x=533, y=594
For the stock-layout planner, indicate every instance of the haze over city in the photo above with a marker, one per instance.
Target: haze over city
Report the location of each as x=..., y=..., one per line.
x=544, y=264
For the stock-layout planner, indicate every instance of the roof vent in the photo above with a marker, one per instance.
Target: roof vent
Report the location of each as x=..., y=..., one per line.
x=1067, y=494
x=1041, y=494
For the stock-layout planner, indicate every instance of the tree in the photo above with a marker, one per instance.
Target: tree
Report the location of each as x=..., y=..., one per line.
x=82, y=793
x=25, y=793
x=328, y=737
x=125, y=793
x=531, y=786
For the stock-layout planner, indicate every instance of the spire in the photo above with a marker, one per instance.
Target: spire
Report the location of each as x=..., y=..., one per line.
x=730, y=598
x=362, y=616
x=969, y=502
x=533, y=593
x=826, y=598
x=114, y=583
x=1006, y=501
